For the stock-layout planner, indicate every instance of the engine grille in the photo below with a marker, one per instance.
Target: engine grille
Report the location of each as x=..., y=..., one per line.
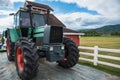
x=56, y=34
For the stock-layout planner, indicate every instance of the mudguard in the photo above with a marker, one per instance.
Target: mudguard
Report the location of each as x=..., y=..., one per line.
x=13, y=34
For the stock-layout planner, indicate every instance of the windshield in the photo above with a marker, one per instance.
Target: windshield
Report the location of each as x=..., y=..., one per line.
x=24, y=19
x=38, y=19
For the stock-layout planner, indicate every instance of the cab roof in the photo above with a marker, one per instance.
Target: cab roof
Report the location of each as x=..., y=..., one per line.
x=37, y=5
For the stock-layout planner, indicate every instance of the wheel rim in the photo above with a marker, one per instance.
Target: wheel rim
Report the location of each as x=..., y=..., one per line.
x=8, y=46
x=20, y=60
x=66, y=55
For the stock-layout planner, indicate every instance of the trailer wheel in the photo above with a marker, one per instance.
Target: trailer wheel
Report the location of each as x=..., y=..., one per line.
x=26, y=59
x=10, y=49
x=71, y=54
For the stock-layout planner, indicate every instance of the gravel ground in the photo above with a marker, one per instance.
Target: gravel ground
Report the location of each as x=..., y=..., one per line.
x=51, y=71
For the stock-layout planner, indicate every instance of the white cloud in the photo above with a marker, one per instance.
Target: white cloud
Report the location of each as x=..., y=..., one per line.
x=20, y=0
x=6, y=12
x=108, y=10
x=6, y=22
x=9, y=3
x=5, y=4
x=108, y=13
x=78, y=20
x=103, y=7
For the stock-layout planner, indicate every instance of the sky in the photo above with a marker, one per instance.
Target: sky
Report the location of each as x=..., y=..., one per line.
x=75, y=14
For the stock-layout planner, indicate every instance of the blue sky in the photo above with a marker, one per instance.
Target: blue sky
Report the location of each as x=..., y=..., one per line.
x=75, y=14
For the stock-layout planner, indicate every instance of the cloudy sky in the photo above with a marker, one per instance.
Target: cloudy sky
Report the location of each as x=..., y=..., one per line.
x=75, y=14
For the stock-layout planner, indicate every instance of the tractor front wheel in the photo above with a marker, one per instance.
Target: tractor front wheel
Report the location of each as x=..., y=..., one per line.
x=71, y=54
x=26, y=59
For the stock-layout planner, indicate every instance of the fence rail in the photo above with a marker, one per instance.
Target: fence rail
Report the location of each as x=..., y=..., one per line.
x=95, y=55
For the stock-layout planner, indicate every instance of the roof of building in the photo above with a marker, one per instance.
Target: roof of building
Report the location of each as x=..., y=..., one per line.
x=38, y=5
x=69, y=30
x=54, y=21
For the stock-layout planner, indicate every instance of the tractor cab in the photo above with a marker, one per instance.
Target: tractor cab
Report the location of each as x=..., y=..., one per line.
x=31, y=16
x=37, y=14
x=22, y=19
x=25, y=20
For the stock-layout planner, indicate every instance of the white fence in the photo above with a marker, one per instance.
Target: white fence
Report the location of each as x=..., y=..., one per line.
x=95, y=55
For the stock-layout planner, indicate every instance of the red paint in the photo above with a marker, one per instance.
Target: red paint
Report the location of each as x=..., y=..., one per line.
x=40, y=10
x=75, y=38
x=8, y=46
x=20, y=60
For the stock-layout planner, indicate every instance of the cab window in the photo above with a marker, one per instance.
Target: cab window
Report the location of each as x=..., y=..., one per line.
x=38, y=20
x=24, y=19
x=16, y=19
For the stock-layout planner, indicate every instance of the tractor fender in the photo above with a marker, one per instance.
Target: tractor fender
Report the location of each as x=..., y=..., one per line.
x=13, y=34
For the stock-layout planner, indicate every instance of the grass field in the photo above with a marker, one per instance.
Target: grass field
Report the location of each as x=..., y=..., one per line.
x=103, y=42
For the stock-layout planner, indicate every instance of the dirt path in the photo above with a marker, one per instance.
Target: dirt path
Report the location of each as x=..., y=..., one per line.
x=51, y=71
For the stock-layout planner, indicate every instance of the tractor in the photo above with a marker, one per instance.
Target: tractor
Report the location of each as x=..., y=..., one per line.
x=32, y=38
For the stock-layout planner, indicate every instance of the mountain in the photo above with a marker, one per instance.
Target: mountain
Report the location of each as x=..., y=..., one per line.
x=105, y=30
x=108, y=29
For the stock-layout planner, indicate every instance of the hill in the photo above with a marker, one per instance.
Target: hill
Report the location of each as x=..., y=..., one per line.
x=108, y=29
x=105, y=30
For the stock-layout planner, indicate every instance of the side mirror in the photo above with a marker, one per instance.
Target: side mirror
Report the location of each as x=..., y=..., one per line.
x=11, y=14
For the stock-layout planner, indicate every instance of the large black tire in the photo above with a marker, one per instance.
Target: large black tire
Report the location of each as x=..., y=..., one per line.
x=9, y=48
x=26, y=59
x=71, y=54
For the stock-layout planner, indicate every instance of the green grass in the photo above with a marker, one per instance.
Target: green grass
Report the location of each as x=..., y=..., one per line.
x=107, y=69
x=104, y=42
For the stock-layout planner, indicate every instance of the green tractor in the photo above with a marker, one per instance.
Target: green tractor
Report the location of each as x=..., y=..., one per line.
x=32, y=39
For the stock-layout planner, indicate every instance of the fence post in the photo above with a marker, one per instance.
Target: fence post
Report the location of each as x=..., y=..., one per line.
x=95, y=55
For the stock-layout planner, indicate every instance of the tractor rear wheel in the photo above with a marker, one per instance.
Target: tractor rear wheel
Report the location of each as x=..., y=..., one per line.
x=71, y=54
x=26, y=59
x=10, y=49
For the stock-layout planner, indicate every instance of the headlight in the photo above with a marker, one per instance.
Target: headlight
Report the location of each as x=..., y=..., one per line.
x=51, y=48
x=62, y=47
